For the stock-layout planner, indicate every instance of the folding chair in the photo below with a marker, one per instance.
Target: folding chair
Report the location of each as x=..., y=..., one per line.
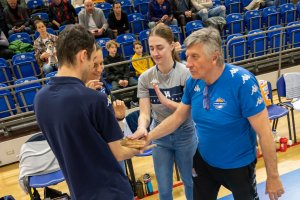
x=25, y=65
x=126, y=44
x=281, y=92
x=5, y=74
x=137, y=23
x=237, y=47
x=101, y=43
x=258, y=43
x=235, y=23
x=276, y=111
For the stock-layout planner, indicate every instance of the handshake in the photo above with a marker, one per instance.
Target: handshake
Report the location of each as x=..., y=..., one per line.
x=140, y=144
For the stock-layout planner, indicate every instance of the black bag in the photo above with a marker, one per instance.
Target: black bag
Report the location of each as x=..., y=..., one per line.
x=216, y=22
x=9, y=197
x=53, y=194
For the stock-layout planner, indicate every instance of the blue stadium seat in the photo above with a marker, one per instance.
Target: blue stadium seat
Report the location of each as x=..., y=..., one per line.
x=274, y=38
x=216, y=3
x=258, y=43
x=137, y=23
x=141, y=6
x=253, y=20
x=78, y=9
x=143, y=37
x=7, y=104
x=237, y=48
x=101, y=42
x=298, y=9
x=24, y=37
x=281, y=2
x=33, y=4
x=126, y=44
x=43, y=16
x=193, y=26
x=271, y=16
x=235, y=23
x=105, y=7
x=61, y=28
x=245, y=3
x=293, y=34
x=127, y=6
x=49, y=75
x=177, y=33
x=5, y=74
x=25, y=65
x=25, y=94
x=49, y=30
x=287, y=13
x=233, y=6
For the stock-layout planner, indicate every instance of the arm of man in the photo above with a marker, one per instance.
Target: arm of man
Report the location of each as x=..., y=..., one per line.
x=120, y=152
x=260, y=124
x=171, y=123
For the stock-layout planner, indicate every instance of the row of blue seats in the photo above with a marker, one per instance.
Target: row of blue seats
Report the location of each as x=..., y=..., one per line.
x=260, y=43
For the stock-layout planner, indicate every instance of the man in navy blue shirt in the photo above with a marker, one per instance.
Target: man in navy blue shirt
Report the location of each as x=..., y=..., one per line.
x=80, y=126
x=229, y=112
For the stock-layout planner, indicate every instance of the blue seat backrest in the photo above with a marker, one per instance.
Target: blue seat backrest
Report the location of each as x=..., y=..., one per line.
x=7, y=104
x=137, y=23
x=141, y=6
x=126, y=44
x=5, y=74
x=24, y=37
x=32, y=4
x=193, y=26
x=25, y=65
x=281, y=89
x=252, y=37
x=42, y=16
x=101, y=42
x=143, y=36
x=25, y=93
x=105, y=7
x=233, y=6
x=237, y=47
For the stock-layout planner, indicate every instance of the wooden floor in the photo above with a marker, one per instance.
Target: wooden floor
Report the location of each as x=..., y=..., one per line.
x=288, y=161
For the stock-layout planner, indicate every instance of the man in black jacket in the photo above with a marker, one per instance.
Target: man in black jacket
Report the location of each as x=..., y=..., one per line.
x=183, y=11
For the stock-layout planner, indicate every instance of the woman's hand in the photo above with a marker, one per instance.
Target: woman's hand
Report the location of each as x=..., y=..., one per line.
x=94, y=84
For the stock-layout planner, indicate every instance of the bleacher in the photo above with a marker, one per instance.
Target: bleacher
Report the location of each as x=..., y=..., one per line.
x=261, y=41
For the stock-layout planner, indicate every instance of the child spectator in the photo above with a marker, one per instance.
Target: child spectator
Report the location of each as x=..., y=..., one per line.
x=118, y=76
x=140, y=65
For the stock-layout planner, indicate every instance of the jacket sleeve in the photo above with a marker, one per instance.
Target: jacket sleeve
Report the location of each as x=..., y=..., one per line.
x=103, y=20
x=110, y=76
x=151, y=16
x=81, y=18
x=126, y=69
x=7, y=19
x=26, y=17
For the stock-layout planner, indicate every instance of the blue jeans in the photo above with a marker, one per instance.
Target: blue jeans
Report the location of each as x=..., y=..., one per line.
x=48, y=68
x=179, y=146
x=218, y=11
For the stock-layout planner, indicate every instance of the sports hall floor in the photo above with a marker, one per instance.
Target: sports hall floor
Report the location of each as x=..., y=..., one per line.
x=287, y=162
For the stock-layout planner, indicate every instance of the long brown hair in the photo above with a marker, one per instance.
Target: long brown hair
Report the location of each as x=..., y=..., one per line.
x=163, y=31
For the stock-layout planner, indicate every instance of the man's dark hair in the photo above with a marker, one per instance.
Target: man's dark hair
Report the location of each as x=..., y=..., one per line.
x=115, y=2
x=71, y=40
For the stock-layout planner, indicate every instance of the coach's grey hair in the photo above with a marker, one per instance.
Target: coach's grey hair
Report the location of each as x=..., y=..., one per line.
x=211, y=40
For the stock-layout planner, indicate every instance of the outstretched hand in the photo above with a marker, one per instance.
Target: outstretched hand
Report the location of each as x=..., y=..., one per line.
x=119, y=108
x=141, y=132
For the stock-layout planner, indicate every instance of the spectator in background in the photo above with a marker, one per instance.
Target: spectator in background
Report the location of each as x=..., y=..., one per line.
x=140, y=65
x=3, y=25
x=93, y=19
x=118, y=20
x=183, y=11
x=40, y=48
x=160, y=11
x=61, y=12
x=118, y=76
x=16, y=17
x=257, y=4
x=205, y=9
x=4, y=51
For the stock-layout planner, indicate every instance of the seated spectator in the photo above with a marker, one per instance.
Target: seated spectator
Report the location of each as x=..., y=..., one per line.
x=4, y=51
x=17, y=18
x=257, y=4
x=183, y=11
x=61, y=12
x=93, y=19
x=118, y=20
x=43, y=55
x=160, y=11
x=140, y=65
x=118, y=76
x=3, y=25
x=205, y=9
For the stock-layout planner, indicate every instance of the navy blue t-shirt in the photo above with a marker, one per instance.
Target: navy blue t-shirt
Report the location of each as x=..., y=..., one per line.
x=78, y=123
